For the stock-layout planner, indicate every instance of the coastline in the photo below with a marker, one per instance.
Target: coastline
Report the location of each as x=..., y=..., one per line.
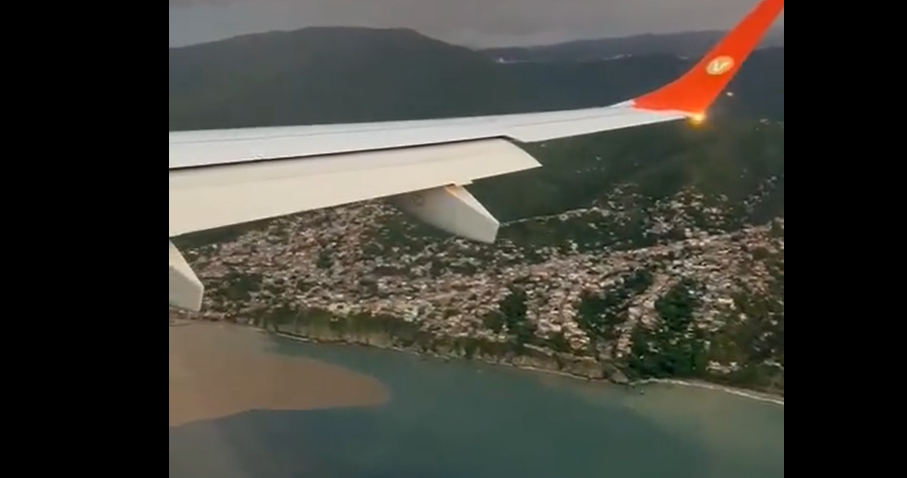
x=740, y=392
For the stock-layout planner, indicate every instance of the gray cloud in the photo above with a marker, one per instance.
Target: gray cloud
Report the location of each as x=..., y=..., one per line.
x=469, y=22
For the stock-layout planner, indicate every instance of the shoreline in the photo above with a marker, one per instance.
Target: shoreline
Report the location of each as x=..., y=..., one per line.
x=740, y=392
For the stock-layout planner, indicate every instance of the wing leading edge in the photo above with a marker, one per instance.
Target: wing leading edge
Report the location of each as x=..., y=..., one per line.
x=224, y=177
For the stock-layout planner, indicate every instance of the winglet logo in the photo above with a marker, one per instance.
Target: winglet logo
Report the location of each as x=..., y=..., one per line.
x=720, y=65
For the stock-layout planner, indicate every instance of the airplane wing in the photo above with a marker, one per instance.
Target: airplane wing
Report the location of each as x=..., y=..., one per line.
x=224, y=177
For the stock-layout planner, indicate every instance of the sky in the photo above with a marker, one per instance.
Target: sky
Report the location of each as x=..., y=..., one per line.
x=474, y=23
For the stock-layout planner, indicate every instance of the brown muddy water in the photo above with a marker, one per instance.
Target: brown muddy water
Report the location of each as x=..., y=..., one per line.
x=218, y=370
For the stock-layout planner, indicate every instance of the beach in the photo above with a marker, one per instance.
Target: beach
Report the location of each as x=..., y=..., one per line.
x=740, y=392
x=218, y=370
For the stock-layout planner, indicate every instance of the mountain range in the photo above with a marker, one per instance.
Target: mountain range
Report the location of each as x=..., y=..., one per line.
x=684, y=44
x=331, y=75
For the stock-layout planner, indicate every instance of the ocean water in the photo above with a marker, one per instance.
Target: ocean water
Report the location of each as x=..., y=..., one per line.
x=466, y=420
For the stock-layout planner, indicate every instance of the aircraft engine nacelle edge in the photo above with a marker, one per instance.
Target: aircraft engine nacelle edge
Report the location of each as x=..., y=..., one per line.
x=452, y=209
x=186, y=291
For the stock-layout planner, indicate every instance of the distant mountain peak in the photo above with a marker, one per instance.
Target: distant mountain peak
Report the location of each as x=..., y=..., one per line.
x=322, y=34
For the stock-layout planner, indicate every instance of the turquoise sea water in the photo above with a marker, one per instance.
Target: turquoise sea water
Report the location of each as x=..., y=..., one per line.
x=465, y=420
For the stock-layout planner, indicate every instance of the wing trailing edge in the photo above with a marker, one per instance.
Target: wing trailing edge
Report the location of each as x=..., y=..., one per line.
x=425, y=182
x=209, y=198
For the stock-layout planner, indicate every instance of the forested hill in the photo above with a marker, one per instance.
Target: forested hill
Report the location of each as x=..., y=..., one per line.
x=683, y=44
x=329, y=75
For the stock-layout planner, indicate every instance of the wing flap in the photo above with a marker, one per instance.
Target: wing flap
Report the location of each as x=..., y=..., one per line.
x=216, y=196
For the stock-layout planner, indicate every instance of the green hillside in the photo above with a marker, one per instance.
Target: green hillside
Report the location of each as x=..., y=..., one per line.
x=330, y=75
x=326, y=75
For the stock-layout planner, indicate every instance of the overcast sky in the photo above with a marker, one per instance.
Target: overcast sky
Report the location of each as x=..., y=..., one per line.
x=466, y=22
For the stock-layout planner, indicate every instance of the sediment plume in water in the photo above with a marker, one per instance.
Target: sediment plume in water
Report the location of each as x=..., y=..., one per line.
x=217, y=370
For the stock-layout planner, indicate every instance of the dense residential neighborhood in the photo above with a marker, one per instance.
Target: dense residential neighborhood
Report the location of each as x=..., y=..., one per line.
x=370, y=260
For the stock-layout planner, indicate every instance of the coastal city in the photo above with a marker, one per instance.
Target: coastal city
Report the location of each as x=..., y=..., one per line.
x=362, y=259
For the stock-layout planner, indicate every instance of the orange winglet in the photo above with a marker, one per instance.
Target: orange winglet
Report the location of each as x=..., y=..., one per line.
x=695, y=91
